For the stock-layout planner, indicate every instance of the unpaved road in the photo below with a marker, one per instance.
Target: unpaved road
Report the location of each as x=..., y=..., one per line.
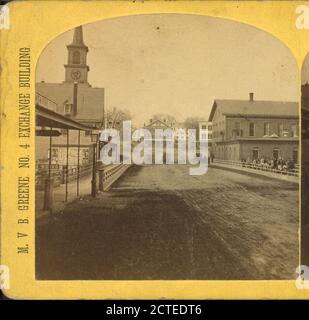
x=157, y=222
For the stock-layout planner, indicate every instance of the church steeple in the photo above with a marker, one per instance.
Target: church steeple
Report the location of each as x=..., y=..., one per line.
x=78, y=37
x=77, y=70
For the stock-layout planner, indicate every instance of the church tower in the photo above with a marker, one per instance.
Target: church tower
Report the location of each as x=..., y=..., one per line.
x=77, y=70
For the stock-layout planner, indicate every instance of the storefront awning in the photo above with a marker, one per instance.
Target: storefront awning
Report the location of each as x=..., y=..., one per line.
x=48, y=118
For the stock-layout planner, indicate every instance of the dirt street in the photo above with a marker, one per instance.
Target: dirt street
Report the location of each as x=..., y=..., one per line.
x=157, y=222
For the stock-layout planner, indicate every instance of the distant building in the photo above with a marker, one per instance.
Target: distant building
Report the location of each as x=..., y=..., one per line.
x=243, y=129
x=205, y=132
x=158, y=124
x=74, y=98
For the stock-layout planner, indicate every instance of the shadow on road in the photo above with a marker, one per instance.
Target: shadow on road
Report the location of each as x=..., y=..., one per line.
x=144, y=234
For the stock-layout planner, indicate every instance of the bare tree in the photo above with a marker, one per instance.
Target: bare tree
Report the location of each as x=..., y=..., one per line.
x=116, y=116
x=193, y=122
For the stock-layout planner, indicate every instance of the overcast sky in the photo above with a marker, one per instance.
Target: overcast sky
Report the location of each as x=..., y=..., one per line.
x=177, y=64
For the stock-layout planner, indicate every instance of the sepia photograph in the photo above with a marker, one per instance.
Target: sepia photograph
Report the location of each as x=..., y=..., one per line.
x=167, y=148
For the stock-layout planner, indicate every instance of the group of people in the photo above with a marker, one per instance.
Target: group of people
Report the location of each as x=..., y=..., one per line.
x=275, y=163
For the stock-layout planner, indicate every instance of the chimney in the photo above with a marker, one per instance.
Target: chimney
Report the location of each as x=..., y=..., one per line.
x=251, y=95
x=75, y=93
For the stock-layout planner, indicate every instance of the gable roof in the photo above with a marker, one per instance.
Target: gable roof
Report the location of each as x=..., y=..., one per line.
x=255, y=108
x=152, y=124
x=90, y=102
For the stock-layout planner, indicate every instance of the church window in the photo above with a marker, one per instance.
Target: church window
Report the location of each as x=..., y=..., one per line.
x=67, y=108
x=76, y=57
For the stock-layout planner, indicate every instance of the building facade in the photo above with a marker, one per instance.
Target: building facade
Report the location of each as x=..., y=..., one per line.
x=155, y=124
x=205, y=132
x=250, y=129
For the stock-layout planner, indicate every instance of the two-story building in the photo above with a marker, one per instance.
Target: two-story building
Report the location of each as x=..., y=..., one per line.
x=205, y=132
x=251, y=129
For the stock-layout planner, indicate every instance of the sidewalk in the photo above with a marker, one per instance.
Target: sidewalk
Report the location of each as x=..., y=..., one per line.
x=256, y=172
x=59, y=196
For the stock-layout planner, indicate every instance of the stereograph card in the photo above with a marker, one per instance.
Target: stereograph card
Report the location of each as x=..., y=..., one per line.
x=154, y=149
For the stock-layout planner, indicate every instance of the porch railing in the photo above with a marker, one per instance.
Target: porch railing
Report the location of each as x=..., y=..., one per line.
x=290, y=172
x=58, y=173
x=110, y=174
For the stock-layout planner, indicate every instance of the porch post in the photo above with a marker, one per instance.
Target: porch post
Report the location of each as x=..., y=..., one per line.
x=93, y=181
x=67, y=168
x=78, y=151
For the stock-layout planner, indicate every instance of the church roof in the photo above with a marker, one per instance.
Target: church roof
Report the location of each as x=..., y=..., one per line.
x=255, y=108
x=90, y=102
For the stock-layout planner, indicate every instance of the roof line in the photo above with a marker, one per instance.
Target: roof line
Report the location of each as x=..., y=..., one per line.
x=261, y=115
x=246, y=100
x=157, y=121
x=58, y=120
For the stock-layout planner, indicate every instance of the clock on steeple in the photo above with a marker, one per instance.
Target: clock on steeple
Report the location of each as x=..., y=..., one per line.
x=77, y=70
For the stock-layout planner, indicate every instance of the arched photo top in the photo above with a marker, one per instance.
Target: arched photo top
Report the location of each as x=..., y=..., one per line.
x=176, y=62
x=234, y=90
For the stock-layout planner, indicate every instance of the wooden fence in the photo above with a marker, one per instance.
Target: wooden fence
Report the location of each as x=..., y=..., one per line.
x=58, y=173
x=110, y=174
x=261, y=167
